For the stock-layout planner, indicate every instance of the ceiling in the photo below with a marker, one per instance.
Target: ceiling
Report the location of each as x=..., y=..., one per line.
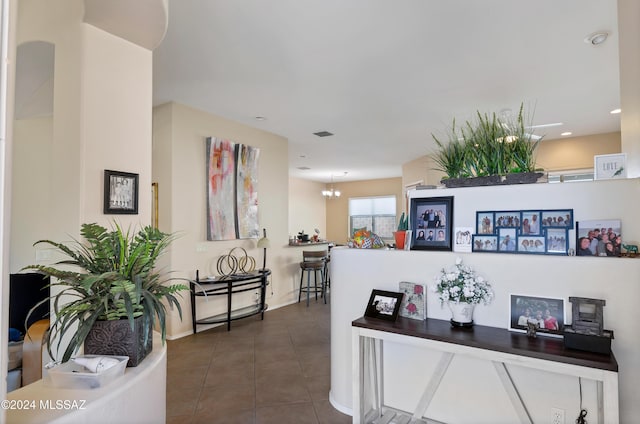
x=383, y=75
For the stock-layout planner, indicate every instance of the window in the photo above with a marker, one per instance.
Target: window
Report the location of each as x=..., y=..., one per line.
x=571, y=176
x=376, y=214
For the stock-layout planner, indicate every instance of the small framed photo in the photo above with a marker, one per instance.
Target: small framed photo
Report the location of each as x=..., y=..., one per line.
x=384, y=305
x=485, y=223
x=601, y=237
x=432, y=223
x=120, y=192
x=530, y=225
x=557, y=218
x=462, y=239
x=507, y=238
x=508, y=219
x=531, y=244
x=414, y=300
x=485, y=243
x=557, y=240
x=546, y=313
x=607, y=167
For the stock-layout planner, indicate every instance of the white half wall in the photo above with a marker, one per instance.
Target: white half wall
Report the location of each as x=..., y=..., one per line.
x=354, y=273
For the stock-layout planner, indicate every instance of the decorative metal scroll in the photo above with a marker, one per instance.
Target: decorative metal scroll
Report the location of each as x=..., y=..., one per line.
x=229, y=264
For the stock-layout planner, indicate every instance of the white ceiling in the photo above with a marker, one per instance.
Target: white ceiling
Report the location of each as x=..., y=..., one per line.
x=384, y=75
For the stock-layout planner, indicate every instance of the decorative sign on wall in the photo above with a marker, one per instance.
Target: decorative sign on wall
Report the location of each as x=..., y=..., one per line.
x=606, y=167
x=232, y=190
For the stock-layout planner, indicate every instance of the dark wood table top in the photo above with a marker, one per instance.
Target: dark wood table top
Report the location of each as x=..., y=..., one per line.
x=492, y=338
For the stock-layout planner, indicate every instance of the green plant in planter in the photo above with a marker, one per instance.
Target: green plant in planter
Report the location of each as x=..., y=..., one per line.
x=403, y=224
x=117, y=281
x=521, y=144
x=451, y=156
x=487, y=146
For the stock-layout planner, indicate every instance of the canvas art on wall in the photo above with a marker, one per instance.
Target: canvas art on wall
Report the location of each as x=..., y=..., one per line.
x=247, y=191
x=232, y=190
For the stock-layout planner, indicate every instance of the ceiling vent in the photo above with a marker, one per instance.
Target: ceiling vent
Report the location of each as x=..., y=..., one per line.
x=323, y=133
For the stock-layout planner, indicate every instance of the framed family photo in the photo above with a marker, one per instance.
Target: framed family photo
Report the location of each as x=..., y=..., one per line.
x=557, y=218
x=120, y=192
x=432, y=223
x=508, y=219
x=482, y=243
x=557, y=240
x=532, y=244
x=384, y=305
x=530, y=225
x=507, y=239
x=485, y=222
x=602, y=237
x=546, y=313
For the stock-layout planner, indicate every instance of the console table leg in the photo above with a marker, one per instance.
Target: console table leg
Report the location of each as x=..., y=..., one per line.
x=433, y=385
x=512, y=392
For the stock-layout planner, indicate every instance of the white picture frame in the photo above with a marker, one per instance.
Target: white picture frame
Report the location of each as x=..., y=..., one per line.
x=608, y=167
x=462, y=239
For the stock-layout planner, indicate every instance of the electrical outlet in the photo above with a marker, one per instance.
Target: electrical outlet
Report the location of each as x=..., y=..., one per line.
x=557, y=416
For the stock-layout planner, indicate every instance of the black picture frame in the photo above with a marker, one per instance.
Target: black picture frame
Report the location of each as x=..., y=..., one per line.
x=519, y=304
x=485, y=222
x=120, y=193
x=384, y=305
x=484, y=243
x=434, y=217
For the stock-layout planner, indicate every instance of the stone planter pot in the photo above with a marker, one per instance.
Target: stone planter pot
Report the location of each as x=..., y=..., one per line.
x=116, y=338
x=523, y=177
x=472, y=182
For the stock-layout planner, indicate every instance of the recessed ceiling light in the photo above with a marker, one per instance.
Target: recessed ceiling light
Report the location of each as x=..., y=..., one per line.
x=323, y=133
x=554, y=124
x=614, y=111
x=566, y=133
x=596, y=38
x=304, y=168
x=260, y=118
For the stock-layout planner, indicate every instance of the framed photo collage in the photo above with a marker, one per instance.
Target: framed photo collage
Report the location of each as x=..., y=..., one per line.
x=543, y=232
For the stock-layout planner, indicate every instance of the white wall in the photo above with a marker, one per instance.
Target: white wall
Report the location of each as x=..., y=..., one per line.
x=356, y=272
x=179, y=165
x=307, y=209
x=32, y=192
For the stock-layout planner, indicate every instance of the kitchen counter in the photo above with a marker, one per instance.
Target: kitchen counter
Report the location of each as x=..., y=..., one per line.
x=309, y=243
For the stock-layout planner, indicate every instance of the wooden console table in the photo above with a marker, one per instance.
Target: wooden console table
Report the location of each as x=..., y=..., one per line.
x=500, y=346
x=228, y=286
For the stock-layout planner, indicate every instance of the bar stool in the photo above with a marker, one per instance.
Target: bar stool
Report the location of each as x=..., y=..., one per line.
x=313, y=262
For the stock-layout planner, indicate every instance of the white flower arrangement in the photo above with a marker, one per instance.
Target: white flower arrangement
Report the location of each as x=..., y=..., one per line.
x=461, y=284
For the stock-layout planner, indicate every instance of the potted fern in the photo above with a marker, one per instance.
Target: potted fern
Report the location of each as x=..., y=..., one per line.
x=400, y=235
x=115, y=293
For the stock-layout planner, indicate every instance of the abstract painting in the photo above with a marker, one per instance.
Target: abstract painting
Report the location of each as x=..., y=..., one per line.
x=221, y=173
x=232, y=190
x=247, y=191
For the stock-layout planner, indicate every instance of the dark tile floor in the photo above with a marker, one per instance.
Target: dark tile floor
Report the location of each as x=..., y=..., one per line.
x=261, y=372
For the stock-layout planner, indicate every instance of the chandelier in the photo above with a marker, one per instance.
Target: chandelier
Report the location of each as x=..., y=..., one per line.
x=331, y=193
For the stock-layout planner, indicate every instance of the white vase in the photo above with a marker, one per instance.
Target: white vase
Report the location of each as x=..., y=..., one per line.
x=461, y=313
